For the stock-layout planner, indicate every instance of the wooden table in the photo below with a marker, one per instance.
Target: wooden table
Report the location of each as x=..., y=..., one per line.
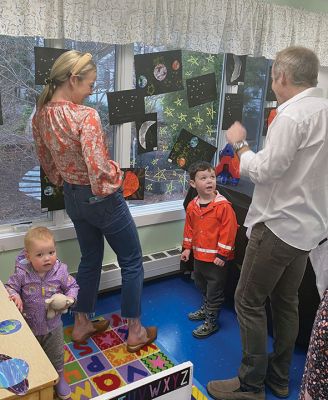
x=22, y=344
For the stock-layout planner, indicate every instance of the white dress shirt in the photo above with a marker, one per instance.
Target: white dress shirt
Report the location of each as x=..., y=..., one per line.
x=291, y=172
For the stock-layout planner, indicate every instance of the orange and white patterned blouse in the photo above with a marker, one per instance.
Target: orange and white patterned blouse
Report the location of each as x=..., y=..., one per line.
x=71, y=147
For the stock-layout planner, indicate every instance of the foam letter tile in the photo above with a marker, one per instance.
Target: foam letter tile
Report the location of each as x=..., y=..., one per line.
x=107, y=381
x=95, y=364
x=73, y=372
x=106, y=340
x=83, y=390
x=83, y=349
x=122, y=332
x=157, y=362
x=147, y=350
x=118, y=355
x=132, y=372
x=68, y=356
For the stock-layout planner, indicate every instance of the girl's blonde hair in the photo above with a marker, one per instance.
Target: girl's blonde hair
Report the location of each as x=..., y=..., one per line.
x=37, y=233
x=71, y=62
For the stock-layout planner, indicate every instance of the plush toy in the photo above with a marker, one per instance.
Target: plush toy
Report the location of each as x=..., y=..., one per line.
x=57, y=304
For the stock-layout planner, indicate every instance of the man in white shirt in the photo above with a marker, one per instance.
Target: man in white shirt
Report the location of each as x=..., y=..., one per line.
x=287, y=218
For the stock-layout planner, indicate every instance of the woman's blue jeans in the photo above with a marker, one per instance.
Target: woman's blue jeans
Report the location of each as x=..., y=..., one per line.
x=110, y=218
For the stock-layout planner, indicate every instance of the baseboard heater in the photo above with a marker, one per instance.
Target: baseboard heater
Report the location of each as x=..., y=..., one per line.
x=155, y=264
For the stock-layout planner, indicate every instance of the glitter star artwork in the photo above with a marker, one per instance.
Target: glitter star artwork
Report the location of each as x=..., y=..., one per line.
x=125, y=106
x=189, y=148
x=44, y=60
x=201, y=89
x=159, y=72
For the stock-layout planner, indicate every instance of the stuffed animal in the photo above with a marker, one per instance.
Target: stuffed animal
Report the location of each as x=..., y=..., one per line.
x=57, y=304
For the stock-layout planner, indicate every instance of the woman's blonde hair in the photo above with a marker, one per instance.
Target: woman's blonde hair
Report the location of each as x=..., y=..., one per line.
x=71, y=62
x=37, y=233
x=301, y=66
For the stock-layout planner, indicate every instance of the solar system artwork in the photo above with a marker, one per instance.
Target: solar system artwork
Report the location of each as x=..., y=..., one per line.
x=188, y=149
x=133, y=183
x=147, y=133
x=201, y=89
x=125, y=106
x=233, y=109
x=44, y=60
x=159, y=72
x=235, y=69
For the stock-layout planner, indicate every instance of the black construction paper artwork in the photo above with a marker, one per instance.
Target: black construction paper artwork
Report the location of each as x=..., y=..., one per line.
x=52, y=197
x=1, y=119
x=158, y=73
x=235, y=69
x=270, y=96
x=233, y=109
x=188, y=149
x=44, y=60
x=147, y=133
x=133, y=183
x=201, y=89
x=125, y=106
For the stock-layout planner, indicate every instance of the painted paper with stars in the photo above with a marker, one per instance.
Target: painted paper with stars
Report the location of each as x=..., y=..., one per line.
x=44, y=60
x=201, y=89
x=125, y=106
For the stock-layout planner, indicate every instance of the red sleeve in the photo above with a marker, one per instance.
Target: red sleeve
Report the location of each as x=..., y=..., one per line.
x=227, y=231
x=187, y=232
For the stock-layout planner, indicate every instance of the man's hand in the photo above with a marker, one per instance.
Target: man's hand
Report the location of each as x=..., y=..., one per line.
x=17, y=300
x=236, y=133
x=185, y=255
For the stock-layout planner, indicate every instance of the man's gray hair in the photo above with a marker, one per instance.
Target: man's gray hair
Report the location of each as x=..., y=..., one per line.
x=301, y=66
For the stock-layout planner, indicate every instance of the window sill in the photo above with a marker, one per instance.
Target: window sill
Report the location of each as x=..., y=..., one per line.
x=150, y=214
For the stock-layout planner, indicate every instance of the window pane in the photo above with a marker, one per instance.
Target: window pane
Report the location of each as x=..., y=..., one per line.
x=104, y=57
x=20, y=183
x=164, y=180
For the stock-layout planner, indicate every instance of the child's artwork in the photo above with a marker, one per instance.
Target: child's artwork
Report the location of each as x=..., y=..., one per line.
x=125, y=106
x=158, y=73
x=44, y=60
x=146, y=128
x=13, y=374
x=52, y=197
x=235, y=69
x=269, y=115
x=133, y=183
x=188, y=149
x=9, y=326
x=270, y=96
x=1, y=120
x=201, y=89
x=233, y=109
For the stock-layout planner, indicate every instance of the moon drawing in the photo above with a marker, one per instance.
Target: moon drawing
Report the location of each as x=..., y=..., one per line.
x=142, y=132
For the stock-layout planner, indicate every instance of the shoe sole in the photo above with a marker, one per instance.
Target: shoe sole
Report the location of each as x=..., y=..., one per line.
x=204, y=336
x=151, y=334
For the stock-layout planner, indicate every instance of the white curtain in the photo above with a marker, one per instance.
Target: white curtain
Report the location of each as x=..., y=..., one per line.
x=215, y=26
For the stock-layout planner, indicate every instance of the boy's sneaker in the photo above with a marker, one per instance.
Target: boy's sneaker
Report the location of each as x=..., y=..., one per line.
x=206, y=329
x=198, y=315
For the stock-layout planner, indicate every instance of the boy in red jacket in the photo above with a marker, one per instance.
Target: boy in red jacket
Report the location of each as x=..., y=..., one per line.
x=210, y=231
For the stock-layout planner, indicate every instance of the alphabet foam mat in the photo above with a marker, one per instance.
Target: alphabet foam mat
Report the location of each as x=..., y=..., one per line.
x=103, y=364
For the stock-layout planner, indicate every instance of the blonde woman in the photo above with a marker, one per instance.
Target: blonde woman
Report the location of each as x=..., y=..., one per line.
x=72, y=150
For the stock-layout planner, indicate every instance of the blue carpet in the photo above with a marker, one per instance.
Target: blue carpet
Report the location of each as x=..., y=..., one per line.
x=166, y=303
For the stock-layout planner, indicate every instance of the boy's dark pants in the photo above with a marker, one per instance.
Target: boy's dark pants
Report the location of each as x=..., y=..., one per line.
x=210, y=279
x=274, y=269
